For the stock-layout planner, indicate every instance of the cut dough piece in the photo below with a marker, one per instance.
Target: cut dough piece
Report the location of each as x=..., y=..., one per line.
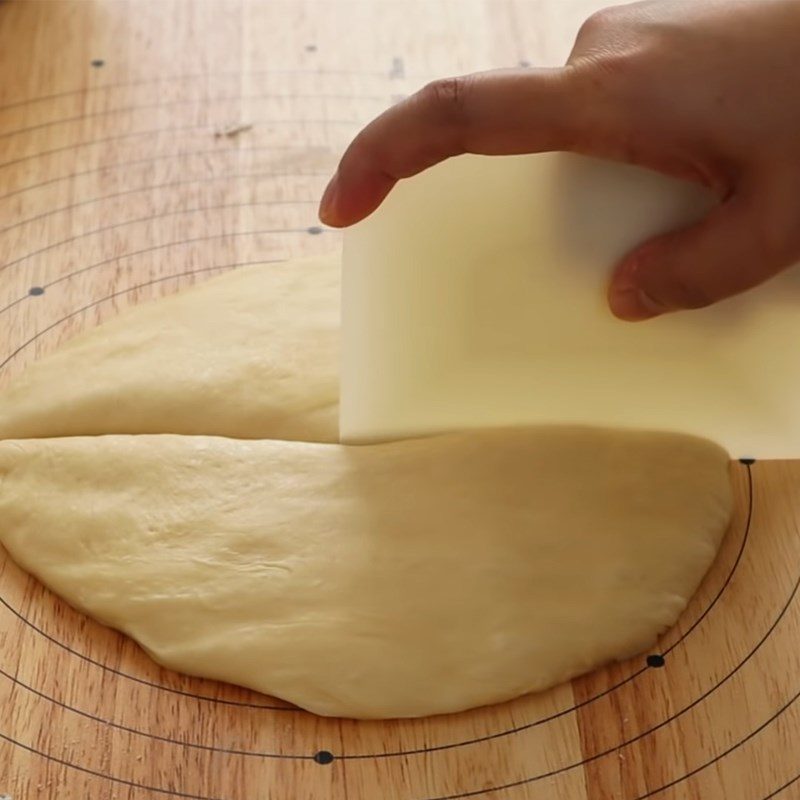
x=251, y=354
x=392, y=580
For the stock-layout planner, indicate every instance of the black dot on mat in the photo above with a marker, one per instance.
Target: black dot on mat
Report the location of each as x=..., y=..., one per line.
x=655, y=661
x=524, y=63
x=98, y=62
x=311, y=48
x=35, y=291
x=747, y=461
x=323, y=757
x=315, y=230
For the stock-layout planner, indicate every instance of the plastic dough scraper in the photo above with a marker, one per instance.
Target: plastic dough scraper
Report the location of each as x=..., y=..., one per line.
x=475, y=296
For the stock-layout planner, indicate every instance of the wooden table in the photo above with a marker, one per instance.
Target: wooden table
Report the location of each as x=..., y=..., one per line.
x=114, y=189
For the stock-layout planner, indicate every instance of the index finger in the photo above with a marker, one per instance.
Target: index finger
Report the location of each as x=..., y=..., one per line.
x=502, y=112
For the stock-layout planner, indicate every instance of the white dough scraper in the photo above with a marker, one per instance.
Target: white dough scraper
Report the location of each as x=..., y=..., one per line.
x=475, y=296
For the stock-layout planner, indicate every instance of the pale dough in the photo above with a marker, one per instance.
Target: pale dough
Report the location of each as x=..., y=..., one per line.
x=252, y=354
x=393, y=580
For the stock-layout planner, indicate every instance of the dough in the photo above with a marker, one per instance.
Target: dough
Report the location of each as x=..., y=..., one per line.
x=390, y=580
x=252, y=354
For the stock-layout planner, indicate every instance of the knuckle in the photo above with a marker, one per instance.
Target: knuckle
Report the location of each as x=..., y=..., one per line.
x=448, y=96
x=599, y=22
x=614, y=44
x=608, y=77
x=610, y=68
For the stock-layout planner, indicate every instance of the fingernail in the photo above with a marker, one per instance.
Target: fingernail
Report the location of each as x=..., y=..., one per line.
x=634, y=305
x=327, y=206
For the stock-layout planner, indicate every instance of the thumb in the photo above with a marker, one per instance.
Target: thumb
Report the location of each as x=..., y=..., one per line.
x=740, y=244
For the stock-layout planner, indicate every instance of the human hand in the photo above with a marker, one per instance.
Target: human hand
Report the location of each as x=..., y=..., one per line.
x=705, y=90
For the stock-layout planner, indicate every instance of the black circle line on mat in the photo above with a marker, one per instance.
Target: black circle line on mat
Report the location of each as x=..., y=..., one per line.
x=150, y=217
x=452, y=745
x=206, y=179
x=477, y=792
x=219, y=150
x=154, y=736
x=198, y=101
x=94, y=773
x=318, y=73
x=154, y=248
x=652, y=792
x=782, y=788
x=204, y=126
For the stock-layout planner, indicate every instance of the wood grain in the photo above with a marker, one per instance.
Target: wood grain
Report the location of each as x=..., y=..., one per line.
x=114, y=189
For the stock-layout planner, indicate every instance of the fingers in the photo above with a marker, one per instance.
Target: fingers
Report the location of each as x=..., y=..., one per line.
x=493, y=113
x=742, y=243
